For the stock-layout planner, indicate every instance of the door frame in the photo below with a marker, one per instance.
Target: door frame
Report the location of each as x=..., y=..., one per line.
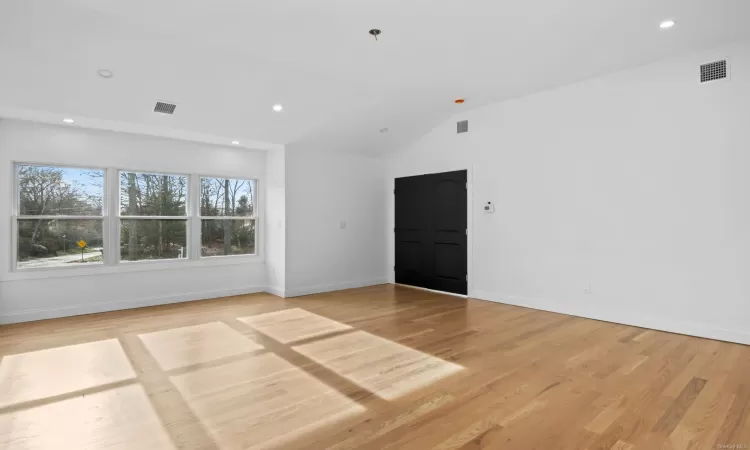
x=469, y=223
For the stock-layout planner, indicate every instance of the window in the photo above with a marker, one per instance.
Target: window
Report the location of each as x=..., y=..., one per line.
x=153, y=216
x=227, y=216
x=58, y=208
x=67, y=217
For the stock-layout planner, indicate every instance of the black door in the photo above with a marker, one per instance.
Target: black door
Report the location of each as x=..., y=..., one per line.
x=431, y=231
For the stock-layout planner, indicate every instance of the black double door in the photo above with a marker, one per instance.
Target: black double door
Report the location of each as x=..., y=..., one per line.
x=431, y=231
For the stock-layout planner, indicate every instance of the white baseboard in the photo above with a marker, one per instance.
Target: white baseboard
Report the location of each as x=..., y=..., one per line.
x=91, y=308
x=309, y=290
x=691, y=329
x=276, y=290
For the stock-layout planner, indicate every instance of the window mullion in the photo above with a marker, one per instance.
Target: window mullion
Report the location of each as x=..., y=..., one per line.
x=194, y=222
x=154, y=217
x=60, y=217
x=14, y=245
x=111, y=222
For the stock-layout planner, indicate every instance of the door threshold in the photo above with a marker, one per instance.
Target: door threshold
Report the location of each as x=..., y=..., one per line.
x=431, y=290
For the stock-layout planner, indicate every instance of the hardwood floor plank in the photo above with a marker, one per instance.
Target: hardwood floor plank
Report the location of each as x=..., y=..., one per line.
x=736, y=418
x=605, y=419
x=622, y=445
x=672, y=417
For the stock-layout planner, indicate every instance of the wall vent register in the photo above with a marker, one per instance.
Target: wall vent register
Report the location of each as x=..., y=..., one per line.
x=463, y=126
x=164, y=108
x=714, y=71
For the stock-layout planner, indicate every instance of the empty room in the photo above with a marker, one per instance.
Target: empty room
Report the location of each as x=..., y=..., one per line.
x=355, y=224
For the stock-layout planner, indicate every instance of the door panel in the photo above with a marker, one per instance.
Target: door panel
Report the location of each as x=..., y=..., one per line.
x=452, y=197
x=431, y=231
x=447, y=261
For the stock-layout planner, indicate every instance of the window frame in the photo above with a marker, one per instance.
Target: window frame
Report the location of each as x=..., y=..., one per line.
x=15, y=216
x=119, y=218
x=199, y=218
x=111, y=216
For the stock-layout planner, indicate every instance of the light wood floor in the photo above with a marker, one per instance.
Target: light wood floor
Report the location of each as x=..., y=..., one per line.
x=376, y=368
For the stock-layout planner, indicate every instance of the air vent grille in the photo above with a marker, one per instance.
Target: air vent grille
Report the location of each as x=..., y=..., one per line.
x=463, y=126
x=164, y=108
x=713, y=71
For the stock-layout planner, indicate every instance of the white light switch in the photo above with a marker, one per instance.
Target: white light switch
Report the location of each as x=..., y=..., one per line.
x=342, y=225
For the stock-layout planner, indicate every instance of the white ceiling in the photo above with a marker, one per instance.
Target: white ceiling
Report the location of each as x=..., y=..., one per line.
x=226, y=62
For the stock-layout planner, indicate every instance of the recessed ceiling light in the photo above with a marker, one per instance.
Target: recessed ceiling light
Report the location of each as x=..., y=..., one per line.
x=384, y=130
x=666, y=24
x=277, y=108
x=104, y=73
x=68, y=120
x=235, y=142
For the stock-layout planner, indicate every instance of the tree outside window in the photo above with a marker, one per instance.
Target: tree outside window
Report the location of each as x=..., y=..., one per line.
x=58, y=206
x=227, y=210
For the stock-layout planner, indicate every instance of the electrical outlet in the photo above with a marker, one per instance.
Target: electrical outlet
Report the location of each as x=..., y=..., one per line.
x=587, y=289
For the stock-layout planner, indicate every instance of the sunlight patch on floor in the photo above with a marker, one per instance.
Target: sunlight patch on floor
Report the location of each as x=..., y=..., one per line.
x=119, y=418
x=56, y=371
x=262, y=401
x=383, y=367
x=186, y=346
x=292, y=325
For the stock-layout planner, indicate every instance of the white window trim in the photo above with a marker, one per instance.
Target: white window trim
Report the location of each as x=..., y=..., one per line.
x=198, y=218
x=119, y=217
x=15, y=217
x=111, y=229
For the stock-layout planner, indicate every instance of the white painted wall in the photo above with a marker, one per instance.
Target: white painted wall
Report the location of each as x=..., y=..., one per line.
x=275, y=220
x=323, y=190
x=635, y=184
x=25, y=296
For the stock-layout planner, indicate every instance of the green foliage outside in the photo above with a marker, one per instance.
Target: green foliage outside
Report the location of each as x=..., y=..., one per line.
x=51, y=191
x=151, y=199
x=227, y=198
x=152, y=195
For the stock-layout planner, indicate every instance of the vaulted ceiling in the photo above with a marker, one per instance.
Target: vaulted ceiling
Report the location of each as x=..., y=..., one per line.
x=226, y=62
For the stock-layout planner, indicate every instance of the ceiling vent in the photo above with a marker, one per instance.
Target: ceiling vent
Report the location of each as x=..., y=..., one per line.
x=164, y=108
x=714, y=71
x=463, y=126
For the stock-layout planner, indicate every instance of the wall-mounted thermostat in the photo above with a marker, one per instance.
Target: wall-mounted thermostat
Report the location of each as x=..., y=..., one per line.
x=489, y=208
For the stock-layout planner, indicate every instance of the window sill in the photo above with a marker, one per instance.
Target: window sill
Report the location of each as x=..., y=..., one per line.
x=126, y=267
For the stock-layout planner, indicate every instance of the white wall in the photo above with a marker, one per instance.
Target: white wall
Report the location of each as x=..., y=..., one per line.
x=275, y=220
x=29, y=296
x=323, y=190
x=635, y=184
